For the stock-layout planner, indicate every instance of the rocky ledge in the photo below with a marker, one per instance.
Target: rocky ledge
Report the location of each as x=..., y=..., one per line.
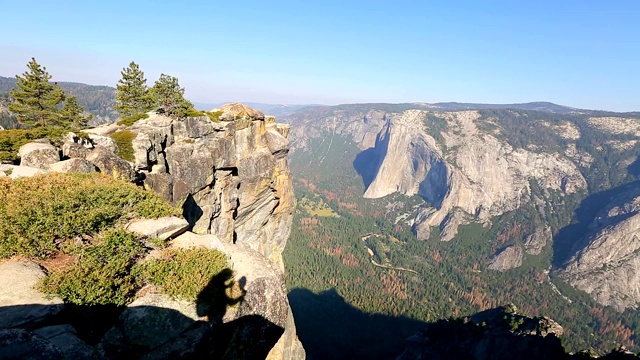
x=231, y=178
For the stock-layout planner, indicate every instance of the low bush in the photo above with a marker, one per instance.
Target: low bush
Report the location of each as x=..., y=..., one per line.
x=11, y=140
x=37, y=214
x=195, y=113
x=184, y=273
x=101, y=274
x=214, y=115
x=131, y=119
x=124, y=139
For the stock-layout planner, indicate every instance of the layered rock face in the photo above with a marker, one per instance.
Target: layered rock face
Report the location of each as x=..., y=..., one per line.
x=233, y=182
x=607, y=267
x=468, y=174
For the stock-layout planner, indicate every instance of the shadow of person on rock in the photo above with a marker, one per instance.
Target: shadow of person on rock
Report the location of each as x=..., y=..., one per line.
x=147, y=332
x=221, y=291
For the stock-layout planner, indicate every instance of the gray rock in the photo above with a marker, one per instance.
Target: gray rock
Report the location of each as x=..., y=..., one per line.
x=77, y=165
x=104, y=130
x=38, y=155
x=110, y=163
x=238, y=110
x=509, y=258
x=188, y=345
x=104, y=141
x=21, y=304
x=190, y=240
x=162, y=228
x=15, y=171
x=534, y=243
x=278, y=144
x=154, y=319
x=160, y=183
x=65, y=338
x=73, y=150
x=608, y=267
x=21, y=344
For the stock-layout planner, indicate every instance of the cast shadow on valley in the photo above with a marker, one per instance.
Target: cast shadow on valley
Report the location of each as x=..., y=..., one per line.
x=366, y=165
x=140, y=332
x=330, y=328
x=572, y=238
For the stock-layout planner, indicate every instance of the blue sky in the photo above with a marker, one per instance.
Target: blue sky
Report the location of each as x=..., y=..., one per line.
x=578, y=53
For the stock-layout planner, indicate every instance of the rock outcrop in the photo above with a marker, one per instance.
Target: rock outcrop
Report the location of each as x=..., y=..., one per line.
x=38, y=155
x=162, y=228
x=232, y=180
x=534, y=243
x=608, y=265
x=508, y=258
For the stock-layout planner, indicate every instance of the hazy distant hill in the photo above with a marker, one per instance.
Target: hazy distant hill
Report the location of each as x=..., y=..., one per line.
x=95, y=99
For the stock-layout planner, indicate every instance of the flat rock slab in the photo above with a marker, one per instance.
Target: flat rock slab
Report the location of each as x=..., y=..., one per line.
x=190, y=240
x=73, y=165
x=104, y=130
x=15, y=172
x=162, y=228
x=20, y=303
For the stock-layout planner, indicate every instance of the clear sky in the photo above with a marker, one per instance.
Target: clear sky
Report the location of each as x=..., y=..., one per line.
x=579, y=53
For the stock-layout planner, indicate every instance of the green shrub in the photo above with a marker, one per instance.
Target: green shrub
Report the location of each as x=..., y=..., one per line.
x=102, y=272
x=183, y=273
x=195, y=113
x=131, y=119
x=40, y=212
x=214, y=115
x=11, y=140
x=124, y=139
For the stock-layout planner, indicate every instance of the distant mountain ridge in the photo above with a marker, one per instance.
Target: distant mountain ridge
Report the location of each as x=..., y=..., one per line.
x=99, y=99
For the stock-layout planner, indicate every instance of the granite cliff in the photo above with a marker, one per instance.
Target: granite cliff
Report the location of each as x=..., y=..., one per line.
x=464, y=172
x=606, y=262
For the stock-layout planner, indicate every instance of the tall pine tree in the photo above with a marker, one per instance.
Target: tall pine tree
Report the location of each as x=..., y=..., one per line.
x=169, y=98
x=35, y=99
x=132, y=93
x=72, y=114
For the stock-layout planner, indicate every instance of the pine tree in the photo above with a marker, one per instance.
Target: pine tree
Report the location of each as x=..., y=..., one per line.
x=72, y=114
x=169, y=98
x=35, y=100
x=132, y=93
